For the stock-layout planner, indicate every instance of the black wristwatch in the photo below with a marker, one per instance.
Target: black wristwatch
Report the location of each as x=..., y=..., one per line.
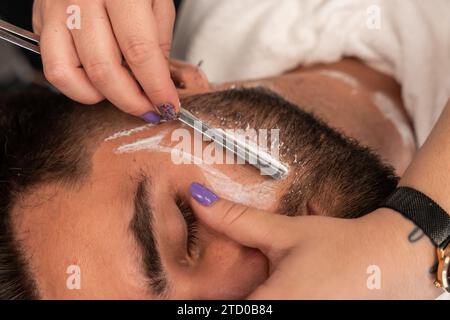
x=434, y=222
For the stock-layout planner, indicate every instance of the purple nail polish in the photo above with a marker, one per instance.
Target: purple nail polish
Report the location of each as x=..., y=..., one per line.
x=203, y=195
x=152, y=117
x=167, y=111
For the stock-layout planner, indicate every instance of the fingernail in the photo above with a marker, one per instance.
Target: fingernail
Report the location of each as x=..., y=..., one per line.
x=152, y=117
x=203, y=195
x=167, y=111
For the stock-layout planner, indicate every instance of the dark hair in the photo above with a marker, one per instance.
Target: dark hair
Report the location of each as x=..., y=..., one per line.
x=42, y=139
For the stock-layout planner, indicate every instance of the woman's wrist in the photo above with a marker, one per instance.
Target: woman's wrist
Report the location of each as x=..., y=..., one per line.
x=410, y=255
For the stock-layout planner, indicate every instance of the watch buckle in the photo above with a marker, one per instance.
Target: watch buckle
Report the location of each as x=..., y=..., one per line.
x=442, y=275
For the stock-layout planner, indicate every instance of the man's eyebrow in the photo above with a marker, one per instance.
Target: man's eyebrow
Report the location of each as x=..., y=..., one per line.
x=142, y=226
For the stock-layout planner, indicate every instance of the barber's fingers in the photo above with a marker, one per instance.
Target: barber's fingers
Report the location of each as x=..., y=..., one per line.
x=62, y=67
x=136, y=30
x=270, y=233
x=164, y=12
x=37, y=16
x=102, y=60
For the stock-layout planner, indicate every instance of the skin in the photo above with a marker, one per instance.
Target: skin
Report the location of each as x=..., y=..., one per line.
x=88, y=224
x=93, y=63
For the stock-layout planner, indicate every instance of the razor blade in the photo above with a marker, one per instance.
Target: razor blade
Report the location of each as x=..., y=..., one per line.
x=249, y=153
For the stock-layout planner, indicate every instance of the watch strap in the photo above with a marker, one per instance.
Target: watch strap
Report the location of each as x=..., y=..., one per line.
x=423, y=211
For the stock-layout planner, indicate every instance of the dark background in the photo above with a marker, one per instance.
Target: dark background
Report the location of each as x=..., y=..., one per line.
x=19, y=11
x=12, y=68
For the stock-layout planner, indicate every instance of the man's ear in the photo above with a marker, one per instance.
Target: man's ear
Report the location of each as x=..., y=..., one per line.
x=189, y=79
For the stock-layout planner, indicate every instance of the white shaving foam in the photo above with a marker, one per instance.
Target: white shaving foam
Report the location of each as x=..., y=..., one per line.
x=388, y=108
x=126, y=133
x=344, y=77
x=260, y=195
x=142, y=144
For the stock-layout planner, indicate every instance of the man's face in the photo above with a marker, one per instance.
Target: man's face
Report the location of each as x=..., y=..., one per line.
x=99, y=227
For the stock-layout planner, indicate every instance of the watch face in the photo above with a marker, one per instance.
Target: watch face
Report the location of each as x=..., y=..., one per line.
x=447, y=285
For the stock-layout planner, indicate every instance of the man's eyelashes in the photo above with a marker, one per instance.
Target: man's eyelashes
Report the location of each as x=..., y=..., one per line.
x=191, y=225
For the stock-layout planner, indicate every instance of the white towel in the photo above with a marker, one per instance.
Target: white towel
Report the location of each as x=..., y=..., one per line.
x=244, y=39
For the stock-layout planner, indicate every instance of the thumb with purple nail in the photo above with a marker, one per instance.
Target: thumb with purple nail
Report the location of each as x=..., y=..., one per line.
x=250, y=227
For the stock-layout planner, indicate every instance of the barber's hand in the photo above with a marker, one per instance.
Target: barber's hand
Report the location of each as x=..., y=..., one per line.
x=87, y=64
x=326, y=258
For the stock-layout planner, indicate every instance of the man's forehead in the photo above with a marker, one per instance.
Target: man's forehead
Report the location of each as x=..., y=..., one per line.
x=181, y=148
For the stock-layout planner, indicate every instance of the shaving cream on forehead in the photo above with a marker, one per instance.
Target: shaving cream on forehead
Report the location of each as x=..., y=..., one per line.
x=127, y=133
x=142, y=144
x=258, y=195
x=261, y=195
